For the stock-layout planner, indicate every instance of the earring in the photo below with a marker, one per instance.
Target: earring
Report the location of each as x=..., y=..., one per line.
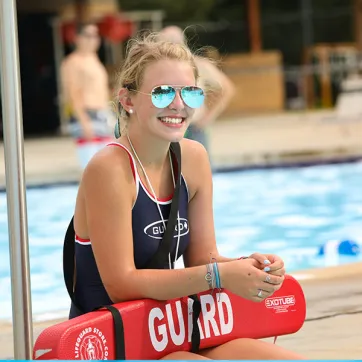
x=117, y=128
x=130, y=111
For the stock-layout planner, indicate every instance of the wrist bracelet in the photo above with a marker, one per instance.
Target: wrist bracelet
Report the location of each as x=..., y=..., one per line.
x=209, y=276
x=217, y=276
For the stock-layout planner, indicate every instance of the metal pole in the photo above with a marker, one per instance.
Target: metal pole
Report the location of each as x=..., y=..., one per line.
x=15, y=181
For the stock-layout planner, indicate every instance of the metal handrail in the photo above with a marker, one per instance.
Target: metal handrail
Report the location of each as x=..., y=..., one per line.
x=15, y=181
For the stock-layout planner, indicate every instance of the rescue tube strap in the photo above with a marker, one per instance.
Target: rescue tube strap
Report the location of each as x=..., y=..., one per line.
x=118, y=332
x=195, y=336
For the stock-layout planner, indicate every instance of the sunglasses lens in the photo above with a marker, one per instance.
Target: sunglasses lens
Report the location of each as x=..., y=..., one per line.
x=193, y=96
x=163, y=96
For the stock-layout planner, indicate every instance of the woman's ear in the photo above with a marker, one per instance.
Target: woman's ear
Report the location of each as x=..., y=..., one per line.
x=125, y=99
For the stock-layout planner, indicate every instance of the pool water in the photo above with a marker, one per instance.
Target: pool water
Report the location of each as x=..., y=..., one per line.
x=290, y=212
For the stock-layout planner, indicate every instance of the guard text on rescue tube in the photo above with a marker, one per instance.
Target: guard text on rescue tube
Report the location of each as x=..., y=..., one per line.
x=168, y=325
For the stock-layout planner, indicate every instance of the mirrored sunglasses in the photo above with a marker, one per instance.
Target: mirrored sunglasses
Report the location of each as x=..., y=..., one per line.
x=163, y=95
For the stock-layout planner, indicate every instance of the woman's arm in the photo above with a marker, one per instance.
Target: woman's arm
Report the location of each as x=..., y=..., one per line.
x=108, y=187
x=201, y=220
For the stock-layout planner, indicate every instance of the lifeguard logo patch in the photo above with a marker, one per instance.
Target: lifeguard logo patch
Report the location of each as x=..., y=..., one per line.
x=91, y=344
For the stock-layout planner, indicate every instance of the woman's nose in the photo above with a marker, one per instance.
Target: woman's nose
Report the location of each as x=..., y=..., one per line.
x=177, y=103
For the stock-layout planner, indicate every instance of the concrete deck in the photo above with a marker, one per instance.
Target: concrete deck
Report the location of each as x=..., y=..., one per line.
x=245, y=142
x=334, y=295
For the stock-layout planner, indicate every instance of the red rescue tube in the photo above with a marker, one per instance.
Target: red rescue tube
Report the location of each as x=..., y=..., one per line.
x=153, y=329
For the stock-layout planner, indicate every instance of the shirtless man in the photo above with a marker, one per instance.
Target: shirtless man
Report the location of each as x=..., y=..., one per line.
x=86, y=94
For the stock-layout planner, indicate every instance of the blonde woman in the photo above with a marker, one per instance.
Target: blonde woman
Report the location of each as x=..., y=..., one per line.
x=128, y=186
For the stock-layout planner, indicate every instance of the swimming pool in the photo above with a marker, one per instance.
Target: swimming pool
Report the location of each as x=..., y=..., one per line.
x=290, y=212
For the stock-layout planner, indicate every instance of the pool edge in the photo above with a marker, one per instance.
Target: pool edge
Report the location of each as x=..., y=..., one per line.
x=328, y=273
x=63, y=180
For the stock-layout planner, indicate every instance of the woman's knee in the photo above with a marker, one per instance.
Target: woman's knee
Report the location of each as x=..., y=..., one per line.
x=184, y=356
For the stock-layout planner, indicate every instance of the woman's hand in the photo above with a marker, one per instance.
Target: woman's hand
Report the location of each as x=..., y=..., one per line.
x=246, y=279
x=270, y=263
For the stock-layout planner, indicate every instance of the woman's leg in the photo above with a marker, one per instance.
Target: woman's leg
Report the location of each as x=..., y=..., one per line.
x=184, y=356
x=250, y=349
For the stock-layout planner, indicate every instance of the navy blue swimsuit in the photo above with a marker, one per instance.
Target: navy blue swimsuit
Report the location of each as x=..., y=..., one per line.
x=148, y=231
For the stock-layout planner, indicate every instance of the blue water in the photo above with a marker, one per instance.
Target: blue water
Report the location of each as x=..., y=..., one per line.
x=290, y=212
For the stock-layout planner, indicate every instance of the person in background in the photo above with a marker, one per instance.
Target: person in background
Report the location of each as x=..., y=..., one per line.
x=86, y=95
x=218, y=86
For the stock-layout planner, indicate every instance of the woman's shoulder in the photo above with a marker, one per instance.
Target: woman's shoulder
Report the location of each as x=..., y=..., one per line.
x=193, y=150
x=195, y=164
x=110, y=164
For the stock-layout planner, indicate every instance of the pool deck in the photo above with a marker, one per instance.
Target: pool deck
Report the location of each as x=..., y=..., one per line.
x=254, y=142
x=263, y=141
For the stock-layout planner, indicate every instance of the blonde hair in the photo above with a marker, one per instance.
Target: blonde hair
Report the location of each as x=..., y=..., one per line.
x=143, y=51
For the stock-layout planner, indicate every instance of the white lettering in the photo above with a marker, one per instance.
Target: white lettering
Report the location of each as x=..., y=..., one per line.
x=211, y=322
x=156, y=229
x=159, y=345
x=178, y=339
x=91, y=343
x=209, y=314
x=223, y=298
x=200, y=329
x=180, y=226
x=280, y=301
